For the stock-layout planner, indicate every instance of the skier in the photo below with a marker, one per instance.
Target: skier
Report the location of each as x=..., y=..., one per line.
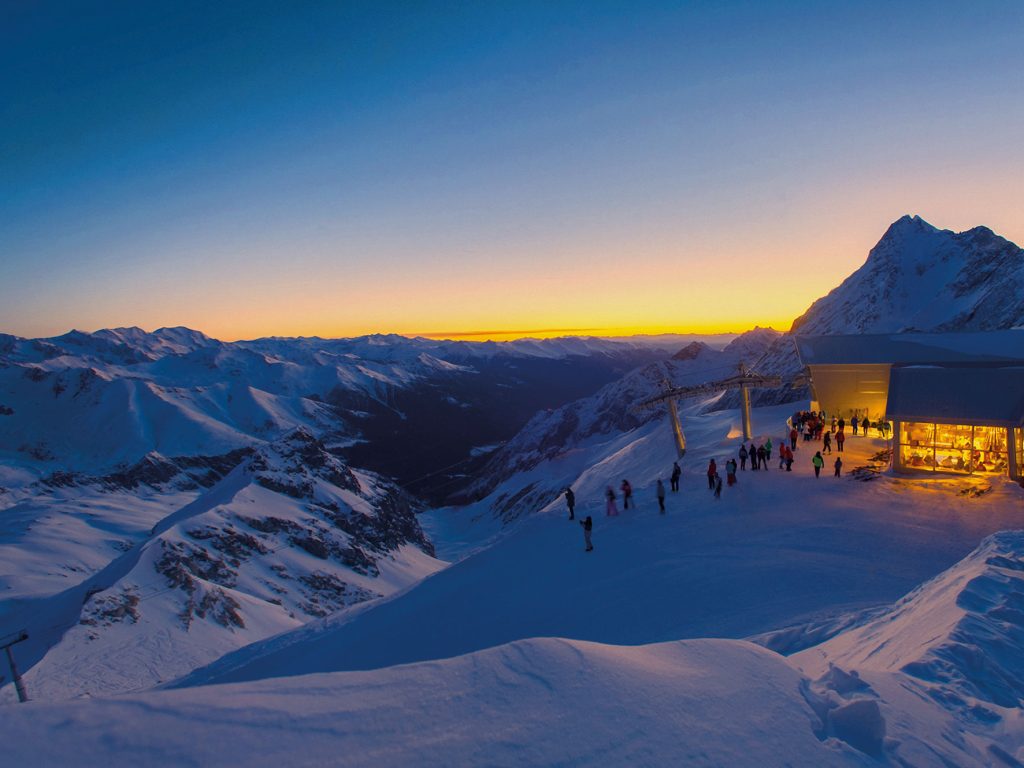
x=818, y=463
x=676, y=472
x=789, y=459
x=627, y=493
x=853, y=424
x=840, y=439
x=743, y=457
x=767, y=452
x=826, y=444
x=611, y=508
x=718, y=486
x=712, y=474
x=730, y=471
x=570, y=502
x=661, y=496
x=588, y=526
x=839, y=465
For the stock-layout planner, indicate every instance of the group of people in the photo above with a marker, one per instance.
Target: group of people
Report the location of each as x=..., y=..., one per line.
x=611, y=501
x=759, y=455
x=808, y=425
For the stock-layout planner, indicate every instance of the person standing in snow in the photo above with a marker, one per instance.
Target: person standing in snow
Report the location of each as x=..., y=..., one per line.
x=865, y=425
x=762, y=460
x=743, y=457
x=840, y=439
x=767, y=452
x=839, y=465
x=826, y=443
x=782, y=454
x=627, y=493
x=661, y=496
x=835, y=423
x=712, y=473
x=588, y=526
x=792, y=438
x=853, y=424
x=611, y=508
x=842, y=425
x=718, y=486
x=570, y=501
x=789, y=460
x=818, y=463
x=676, y=472
x=730, y=471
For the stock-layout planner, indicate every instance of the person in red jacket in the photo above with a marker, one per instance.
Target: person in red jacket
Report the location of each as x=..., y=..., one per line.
x=793, y=434
x=712, y=474
x=840, y=439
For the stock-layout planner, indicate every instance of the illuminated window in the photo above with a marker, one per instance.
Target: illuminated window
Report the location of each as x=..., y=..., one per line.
x=954, y=448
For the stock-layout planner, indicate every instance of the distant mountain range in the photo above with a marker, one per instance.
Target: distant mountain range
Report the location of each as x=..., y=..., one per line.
x=98, y=402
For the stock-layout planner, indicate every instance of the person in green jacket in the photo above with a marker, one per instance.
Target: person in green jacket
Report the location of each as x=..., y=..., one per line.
x=767, y=452
x=818, y=463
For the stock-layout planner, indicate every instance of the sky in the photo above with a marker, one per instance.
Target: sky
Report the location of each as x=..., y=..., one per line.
x=486, y=170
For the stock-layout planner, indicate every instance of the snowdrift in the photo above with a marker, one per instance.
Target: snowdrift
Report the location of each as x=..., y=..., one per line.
x=961, y=634
x=535, y=702
x=901, y=690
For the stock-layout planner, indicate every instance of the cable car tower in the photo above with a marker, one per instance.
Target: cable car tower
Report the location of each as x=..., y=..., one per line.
x=744, y=381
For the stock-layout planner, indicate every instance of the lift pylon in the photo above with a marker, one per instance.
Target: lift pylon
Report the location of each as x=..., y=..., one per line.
x=744, y=380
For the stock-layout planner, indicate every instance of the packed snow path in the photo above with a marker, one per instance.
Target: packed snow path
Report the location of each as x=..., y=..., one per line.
x=776, y=550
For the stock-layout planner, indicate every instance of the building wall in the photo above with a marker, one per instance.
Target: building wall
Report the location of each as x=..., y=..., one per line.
x=851, y=390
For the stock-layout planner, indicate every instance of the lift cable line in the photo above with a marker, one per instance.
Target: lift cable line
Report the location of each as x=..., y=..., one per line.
x=744, y=380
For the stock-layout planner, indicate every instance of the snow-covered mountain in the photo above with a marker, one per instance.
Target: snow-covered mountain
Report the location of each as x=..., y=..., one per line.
x=101, y=401
x=920, y=278
x=289, y=534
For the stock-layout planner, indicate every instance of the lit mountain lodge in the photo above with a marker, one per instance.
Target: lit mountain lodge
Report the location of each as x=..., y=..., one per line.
x=955, y=401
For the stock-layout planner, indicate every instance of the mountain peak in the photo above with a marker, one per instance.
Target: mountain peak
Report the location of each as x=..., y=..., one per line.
x=907, y=225
x=925, y=278
x=690, y=351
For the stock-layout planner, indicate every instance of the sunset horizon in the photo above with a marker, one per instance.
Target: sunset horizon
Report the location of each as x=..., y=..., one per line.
x=582, y=383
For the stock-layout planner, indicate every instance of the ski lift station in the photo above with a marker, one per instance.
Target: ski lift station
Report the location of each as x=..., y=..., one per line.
x=955, y=400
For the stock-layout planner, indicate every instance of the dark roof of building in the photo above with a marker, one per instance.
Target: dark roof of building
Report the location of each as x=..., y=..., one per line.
x=894, y=348
x=965, y=394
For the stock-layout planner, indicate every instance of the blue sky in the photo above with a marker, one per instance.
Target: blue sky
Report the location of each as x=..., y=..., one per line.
x=256, y=168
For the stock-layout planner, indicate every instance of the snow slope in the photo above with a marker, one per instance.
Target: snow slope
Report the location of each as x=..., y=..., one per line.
x=289, y=535
x=778, y=549
x=960, y=634
x=550, y=701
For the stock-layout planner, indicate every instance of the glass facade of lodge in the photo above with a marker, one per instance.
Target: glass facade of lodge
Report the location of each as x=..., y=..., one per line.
x=959, y=448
